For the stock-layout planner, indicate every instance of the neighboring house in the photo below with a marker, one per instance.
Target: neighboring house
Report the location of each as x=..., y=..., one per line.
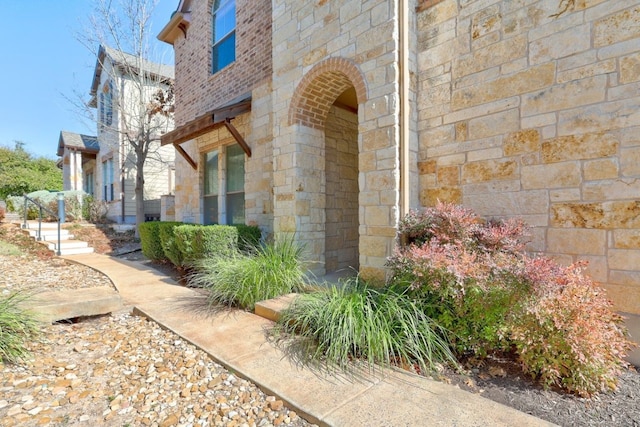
x=78, y=160
x=333, y=118
x=116, y=91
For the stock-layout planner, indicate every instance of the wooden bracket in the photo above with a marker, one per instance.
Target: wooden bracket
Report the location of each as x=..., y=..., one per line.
x=186, y=156
x=237, y=137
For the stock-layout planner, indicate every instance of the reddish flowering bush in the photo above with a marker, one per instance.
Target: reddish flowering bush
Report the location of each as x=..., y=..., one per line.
x=567, y=334
x=473, y=277
x=1, y=214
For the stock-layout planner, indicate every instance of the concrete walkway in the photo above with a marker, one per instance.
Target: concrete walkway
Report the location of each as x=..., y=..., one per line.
x=238, y=340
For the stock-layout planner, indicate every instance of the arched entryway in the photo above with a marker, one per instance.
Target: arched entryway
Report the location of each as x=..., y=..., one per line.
x=324, y=114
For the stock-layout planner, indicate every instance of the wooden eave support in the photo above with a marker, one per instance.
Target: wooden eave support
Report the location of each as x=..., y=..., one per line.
x=236, y=135
x=186, y=156
x=205, y=124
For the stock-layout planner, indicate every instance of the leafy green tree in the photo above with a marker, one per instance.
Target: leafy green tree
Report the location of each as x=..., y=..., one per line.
x=21, y=172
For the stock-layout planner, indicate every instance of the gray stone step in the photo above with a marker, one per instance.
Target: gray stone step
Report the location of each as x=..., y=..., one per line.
x=67, y=304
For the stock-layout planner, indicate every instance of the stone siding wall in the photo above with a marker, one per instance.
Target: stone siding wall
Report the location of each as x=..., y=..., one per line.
x=197, y=89
x=341, y=165
x=255, y=127
x=522, y=113
x=323, y=48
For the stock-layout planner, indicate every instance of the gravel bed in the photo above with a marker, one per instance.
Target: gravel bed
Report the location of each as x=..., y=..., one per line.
x=119, y=370
x=124, y=370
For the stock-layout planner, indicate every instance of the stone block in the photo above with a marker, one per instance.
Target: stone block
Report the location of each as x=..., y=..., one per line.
x=600, y=169
x=579, y=147
x=374, y=246
x=486, y=154
x=448, y=175
x=602, y=117
x=494, y=124
x=496, y=54
x=630, y=161
x=427, y=167
x=489, y=170
x=565, y=194
x=431, y=196
x=624, y=259
x=508, y=204
x=555, y=175
x=568, y=95
x=619, y=189
x=561, y=44
x=530, y=80
x=625, y=297
x=616, y=28
x=596, y=267
x=524, y=141
x=630, y=68
x=377, y=216
x=626, y=239
x=606, y=215
x=602, y=67
x=576, y=241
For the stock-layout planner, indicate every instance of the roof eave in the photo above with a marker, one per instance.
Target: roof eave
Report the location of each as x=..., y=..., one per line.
x=177, y=25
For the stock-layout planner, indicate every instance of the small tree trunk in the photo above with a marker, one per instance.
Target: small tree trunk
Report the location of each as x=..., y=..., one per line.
x=139, y=191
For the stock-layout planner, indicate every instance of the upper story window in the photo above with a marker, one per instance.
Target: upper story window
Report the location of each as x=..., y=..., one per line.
x=224, y=34
x=106, y=105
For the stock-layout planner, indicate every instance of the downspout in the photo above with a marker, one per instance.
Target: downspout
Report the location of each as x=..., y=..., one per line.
x=405, y=195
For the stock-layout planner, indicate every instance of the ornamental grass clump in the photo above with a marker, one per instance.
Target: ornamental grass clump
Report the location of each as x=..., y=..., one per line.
x=474, y=278
x=242, y=279
x=335, y=326
x=17, y=326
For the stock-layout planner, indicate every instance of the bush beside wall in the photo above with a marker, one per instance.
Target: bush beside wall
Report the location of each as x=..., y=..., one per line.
x=150, y=241
x=196, y=242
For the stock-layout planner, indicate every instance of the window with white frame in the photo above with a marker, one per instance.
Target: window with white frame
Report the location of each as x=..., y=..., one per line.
x=224, y=34
x=107, y=180
x=223, y=193
x=88, y=183
x=106, y=104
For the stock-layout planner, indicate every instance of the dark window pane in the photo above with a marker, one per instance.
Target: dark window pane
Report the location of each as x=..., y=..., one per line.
x=235, y=208
x=224, y=53
x=210, y=210
x=211, y=173
x=235, y=169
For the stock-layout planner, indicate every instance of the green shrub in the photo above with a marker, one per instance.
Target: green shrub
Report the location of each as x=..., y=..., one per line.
x=241, y=280
x=150, y=241
x=381, y=326
x=197, y=242
x=168, y=242
x=248, y=237
x=16, y=327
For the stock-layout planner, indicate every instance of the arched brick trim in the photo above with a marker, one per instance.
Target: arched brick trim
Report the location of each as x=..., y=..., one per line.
x=319, y=89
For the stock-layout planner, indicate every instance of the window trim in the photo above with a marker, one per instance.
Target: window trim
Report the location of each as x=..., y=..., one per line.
x=223, y=193
x=216, y=43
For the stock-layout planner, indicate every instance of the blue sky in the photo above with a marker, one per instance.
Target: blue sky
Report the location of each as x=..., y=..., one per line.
x=42, y=61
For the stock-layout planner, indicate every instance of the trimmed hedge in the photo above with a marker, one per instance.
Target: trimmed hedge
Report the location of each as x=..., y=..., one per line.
x=150, y=241
x=196, y=242
x=248, y=237
x=168, y=241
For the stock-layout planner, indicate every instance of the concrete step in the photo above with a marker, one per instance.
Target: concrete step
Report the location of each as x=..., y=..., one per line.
x=65, y=244
x=67, y=304
x=47, y=234
x=76, y=251
x=271, y=309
